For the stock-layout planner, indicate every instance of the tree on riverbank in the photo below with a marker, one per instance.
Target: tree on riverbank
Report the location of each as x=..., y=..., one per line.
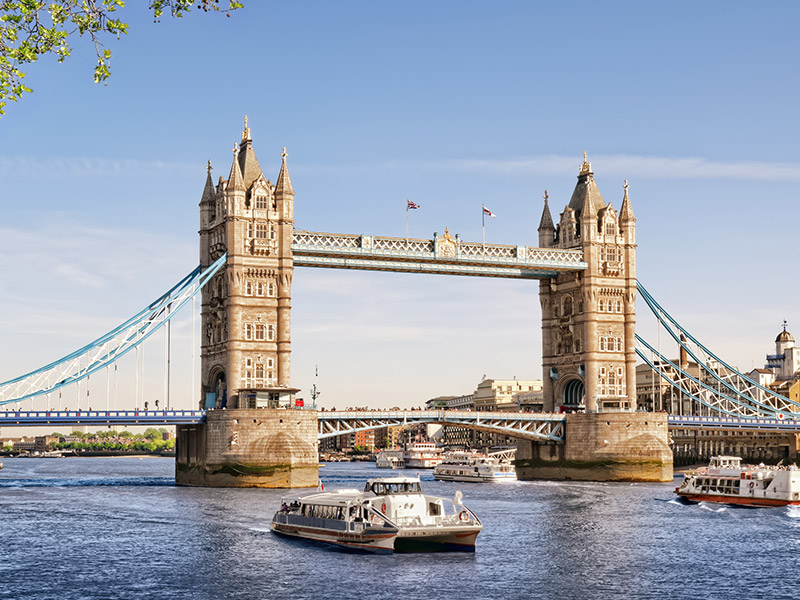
x=30, y=29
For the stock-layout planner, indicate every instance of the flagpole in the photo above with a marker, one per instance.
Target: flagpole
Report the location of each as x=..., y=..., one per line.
x=406, y=223
x=483, y=227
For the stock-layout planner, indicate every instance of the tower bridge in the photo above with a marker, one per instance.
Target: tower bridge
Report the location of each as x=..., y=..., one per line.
x=585, y=264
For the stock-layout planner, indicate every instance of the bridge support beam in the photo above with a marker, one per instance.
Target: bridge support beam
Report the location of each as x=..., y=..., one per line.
x=263, y=447
x=618, y=446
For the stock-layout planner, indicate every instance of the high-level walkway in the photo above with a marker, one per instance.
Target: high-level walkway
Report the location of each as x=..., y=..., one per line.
x=443, y=255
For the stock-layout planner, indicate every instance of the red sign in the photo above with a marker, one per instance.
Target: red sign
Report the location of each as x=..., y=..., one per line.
x=299, y=402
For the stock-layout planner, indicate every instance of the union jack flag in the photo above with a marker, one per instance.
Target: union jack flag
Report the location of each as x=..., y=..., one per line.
x=411, y=205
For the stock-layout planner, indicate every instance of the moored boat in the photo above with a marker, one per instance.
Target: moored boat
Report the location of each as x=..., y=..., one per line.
x=468, y=466
x=727, y=481
x=342, y=518
x=390, y=459
x=422, y=455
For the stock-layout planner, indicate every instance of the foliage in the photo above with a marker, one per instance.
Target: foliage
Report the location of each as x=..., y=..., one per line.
x=30, y=29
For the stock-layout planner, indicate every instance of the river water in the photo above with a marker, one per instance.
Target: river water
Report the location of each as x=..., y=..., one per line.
x=119, y=528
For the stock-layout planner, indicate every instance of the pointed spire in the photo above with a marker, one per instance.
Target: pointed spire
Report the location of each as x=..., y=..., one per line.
x=546, y=221
x=235, y=178
x=626, y=212
x=283, y=187
x=208, y=192
x=547, y=231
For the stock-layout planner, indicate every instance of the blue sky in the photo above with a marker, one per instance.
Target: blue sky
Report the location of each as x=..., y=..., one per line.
x=451, y=104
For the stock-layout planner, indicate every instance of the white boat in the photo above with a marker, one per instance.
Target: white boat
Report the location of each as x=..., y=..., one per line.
x=391, y=513
x=390, y=459
x=727, y=481
x=422, y=455
x=468, y=466
x=343, y=518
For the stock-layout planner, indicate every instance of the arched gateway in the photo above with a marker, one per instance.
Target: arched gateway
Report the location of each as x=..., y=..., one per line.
x=587, y=270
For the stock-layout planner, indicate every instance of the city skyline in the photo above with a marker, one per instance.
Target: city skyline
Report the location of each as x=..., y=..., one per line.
x=465, y=108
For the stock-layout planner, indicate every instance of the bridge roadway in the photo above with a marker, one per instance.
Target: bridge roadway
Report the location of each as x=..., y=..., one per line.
x=533, y=426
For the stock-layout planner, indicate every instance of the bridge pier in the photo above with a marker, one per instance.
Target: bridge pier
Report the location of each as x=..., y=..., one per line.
x=262, y=447
x=618, y=446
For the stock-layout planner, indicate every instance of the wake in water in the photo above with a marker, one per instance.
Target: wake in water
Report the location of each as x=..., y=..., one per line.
x=93, y=482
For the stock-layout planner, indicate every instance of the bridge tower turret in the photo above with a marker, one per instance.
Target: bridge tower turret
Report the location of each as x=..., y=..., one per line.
x=588, y=318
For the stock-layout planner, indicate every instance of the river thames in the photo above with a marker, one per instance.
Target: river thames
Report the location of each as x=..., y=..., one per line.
x=119, y=528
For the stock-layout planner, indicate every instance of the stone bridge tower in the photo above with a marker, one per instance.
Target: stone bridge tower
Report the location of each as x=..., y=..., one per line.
x=589, y=350
x=588, y=318
x=249, y=439
x=246, y=330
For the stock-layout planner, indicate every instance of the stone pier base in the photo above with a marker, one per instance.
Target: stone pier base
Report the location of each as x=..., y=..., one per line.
x=602, y=447
x=262, y=447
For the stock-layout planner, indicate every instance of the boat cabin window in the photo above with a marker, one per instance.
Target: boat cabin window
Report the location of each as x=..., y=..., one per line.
x=434, y=509
x=381, y=488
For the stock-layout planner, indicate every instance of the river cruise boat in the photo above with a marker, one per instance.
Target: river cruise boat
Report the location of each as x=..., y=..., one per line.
x=343, y=518
x=422, y=455
x=727, y=481
x=390, y=459
x=468, y=466
x=390, y=514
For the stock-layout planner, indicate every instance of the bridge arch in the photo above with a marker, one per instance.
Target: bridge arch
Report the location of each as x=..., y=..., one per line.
x=573, y=394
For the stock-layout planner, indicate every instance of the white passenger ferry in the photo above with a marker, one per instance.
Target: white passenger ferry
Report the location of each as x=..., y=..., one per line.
x=390, y=459
x=468, y=466
x=422, y=455
x=727, y=481
x=391, y=513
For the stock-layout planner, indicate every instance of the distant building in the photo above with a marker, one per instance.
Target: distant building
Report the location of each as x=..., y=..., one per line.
x=785, y=363
x=502, y=394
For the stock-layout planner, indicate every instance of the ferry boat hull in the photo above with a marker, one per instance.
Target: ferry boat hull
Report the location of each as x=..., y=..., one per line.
x=735, y=500
x=377, y=540
x=420, y=539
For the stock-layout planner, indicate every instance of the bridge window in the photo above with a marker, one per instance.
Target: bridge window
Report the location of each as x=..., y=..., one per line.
x=261, y=230
x=270, y=363
x=260, y=332
x=602, y=344
x=272, y=235
x=271, y=290
x=259, y=288
x=248, y=331
x=619, y=306
x=248, y=288
x=249, y=230
x=259, y=373
x=270, y=332
x=261, y=201
x=619, y=344
x=248, y=378
x=601, y=306
x=610, y=229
